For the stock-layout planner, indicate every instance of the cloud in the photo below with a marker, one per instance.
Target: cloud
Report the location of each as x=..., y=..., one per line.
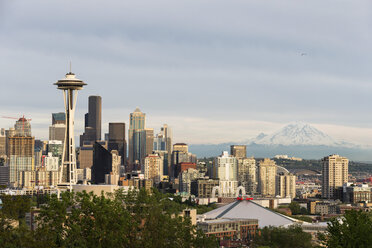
x=208, y=63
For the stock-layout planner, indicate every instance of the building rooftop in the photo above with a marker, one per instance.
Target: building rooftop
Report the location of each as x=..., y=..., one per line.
x=246, y=209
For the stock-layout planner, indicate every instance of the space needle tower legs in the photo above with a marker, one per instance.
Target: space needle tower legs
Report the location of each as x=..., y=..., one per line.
x=70, y=86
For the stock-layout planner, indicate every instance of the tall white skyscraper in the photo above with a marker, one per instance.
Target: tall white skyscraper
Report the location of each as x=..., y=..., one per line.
x=225, y=168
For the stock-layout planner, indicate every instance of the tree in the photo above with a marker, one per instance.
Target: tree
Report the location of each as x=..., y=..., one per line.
x=15, y=207
x=353, y=230
x=295, y=207
x=136, y=219
x=280, y=237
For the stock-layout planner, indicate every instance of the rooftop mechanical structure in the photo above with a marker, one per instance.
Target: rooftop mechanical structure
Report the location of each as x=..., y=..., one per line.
x=70, y=86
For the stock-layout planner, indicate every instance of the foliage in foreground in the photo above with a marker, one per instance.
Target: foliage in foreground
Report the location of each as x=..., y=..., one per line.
x=353, y=230
x=137, y=219
x=279, y=237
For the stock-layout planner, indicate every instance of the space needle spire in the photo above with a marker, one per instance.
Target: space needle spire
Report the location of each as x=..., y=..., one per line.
x=70, y=86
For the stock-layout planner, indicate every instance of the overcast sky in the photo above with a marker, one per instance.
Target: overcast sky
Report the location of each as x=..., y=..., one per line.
x=215, y=71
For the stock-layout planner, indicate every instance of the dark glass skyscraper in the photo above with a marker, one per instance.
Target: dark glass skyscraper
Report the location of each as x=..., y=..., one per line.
x=116, y=140
x=93, y=121
x=102, y=163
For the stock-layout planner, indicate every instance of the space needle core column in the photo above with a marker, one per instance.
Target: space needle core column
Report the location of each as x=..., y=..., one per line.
x=70, y=86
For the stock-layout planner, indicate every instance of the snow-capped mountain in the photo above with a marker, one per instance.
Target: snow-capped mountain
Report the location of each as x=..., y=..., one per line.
x=298, y=134
x=298, y=139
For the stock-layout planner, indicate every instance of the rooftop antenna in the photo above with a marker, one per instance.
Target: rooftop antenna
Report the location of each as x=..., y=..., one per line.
x=70, y=66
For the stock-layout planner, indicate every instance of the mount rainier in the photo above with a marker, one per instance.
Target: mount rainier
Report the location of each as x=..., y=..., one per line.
x=296, y=139
x=298, y=134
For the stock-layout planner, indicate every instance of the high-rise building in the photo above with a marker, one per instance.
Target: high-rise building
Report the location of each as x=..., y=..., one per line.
x=203, y=188
x=116, y=140
x=59, y=118
x=247, y=174
x=153, y=168
x=56, y=148
x=4, y=174
x=180, y=154
x=2, y=142
x=20, y=150
x=23, y=127
x=188, y=176
x=70, y=86
x=149, y=142
x=102, y=162
x=93, y=121
x=181, y=147
x=86, y=156
x=238, y=151
x=286, y=185
x=335, y=171
x=136, y=137
x=21, y=146
x=164, y=155
x=57, y=130
x=163, y=142
x=225, y=168
x=267, y=177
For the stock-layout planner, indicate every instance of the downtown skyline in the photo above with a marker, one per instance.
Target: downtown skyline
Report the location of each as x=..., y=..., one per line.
x=190, y=69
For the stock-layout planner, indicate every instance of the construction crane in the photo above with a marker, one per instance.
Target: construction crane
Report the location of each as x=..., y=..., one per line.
x=21, y=118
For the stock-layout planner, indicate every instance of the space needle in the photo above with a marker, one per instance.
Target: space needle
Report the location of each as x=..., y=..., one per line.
x=70, y=86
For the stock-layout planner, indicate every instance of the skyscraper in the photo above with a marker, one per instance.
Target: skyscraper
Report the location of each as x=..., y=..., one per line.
x=225, y=168
x=58, y=118
x=2, y=142
x=163, y=146
x=116, y=140
x=149, y=141
x=58, y=128
x=153, y=168
x=335, y=171
x=267, y=177
x=238, y=151
x=20, y=150
x=136, y=137
x=93, y=121
x=286, y=185
x=102, y=163
x=247, y=174
x=70, y=86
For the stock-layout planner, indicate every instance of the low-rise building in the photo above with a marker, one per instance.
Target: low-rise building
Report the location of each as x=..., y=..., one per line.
x=350, y=193
x=226, y=228
x=188, y=176
x=203, y=188
x=326, y=208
